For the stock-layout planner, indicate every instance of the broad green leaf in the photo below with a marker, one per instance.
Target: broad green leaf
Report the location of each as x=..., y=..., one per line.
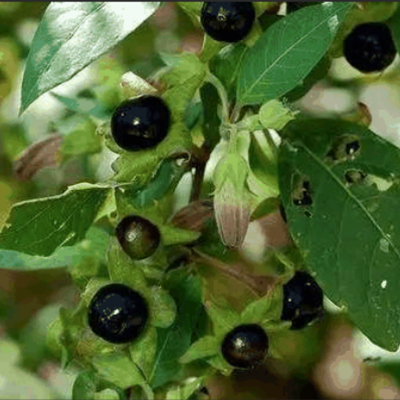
x=118, y=369
x=92, y=247
x=173, y=342
x=226, y=65
x=205, y=347
x=81, y=105
x=41, y=226
x=143, y=350
x=123, y=269
x=285, y=54
x=163, y=308
x=87, y=384
x=73, y=35
x=339, y=187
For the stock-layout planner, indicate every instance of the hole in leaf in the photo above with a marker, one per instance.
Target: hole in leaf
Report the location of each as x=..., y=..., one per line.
x=307, y=214
x=302, y=195
x=345, y=147
x=354, y=177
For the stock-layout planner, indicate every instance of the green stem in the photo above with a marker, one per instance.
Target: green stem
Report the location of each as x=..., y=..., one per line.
x=222, y=94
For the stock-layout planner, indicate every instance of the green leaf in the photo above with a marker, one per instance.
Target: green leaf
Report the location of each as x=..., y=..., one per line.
x=81, y=138
x=172, y=235
x=207, y=346
x=81, y=105
x=123, y=269
x=183, y=76
x=143, y=350
x=285, y=54
x=173, y=342
x=226, y=64
x=88, y=31
x=118, y=369
x=106, y=394
x=222, y=314
x=41, y=226
x=163, y=308
x=185, y=389
x=211, y=121
x=192, y=8
x=87, y=384
x=266, y=308
x=346, y=229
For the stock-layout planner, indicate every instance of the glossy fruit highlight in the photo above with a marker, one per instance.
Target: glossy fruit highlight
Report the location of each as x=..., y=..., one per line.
x=118, y=313
x=138, y=237
x=302, y=300
x=227, y=21
x=140, y=123
x=245, y=346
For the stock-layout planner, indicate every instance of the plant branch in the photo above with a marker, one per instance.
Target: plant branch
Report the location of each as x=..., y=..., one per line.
x=257, y=284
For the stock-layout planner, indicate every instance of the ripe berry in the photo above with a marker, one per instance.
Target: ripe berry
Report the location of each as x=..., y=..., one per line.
x=140, y=123
x=302, y=300
x=117, y=313
x=245, y=346
x=227, y=21
x=369, y=47
x=138, y=237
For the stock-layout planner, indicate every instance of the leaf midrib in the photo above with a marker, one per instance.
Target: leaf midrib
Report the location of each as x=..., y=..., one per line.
x=256, y=82
x=351, y=196
x=50, y=63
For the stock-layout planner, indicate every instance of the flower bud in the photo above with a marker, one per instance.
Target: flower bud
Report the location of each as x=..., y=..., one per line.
x=274, y=115
x=232, y=212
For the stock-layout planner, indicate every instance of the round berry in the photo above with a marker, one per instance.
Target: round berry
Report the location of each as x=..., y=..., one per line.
x=138, y=237
x=118, y=313
x=369, y=47
x=245, y=346
x=227, y=21
x=140, y=123
x=302, y=300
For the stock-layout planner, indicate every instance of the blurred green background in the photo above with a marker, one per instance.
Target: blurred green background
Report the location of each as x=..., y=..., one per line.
x=324, y=361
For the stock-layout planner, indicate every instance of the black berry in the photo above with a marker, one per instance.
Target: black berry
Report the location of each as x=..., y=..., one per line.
x=138, y=237
x=369, y=47
x=302, y=300
x=245, y=346
x=140, y=123
x=227, y=21
x=117, y=313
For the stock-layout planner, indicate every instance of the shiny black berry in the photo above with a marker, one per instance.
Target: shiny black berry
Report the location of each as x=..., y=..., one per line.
x=369, y=47
x=138, y=237
x=302, y=300
x=245, y=346
x=227, y=21
x=117, y=313
x=140, y=123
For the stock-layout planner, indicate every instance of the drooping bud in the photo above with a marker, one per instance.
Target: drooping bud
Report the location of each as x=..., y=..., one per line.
x=232, y=212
